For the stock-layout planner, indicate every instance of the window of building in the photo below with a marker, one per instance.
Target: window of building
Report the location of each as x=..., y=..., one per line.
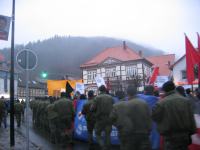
x=128, y=71
x=89, y=76
x=107, y=72
x=112, y=72
x=93, y=75
x=183, y=74
x=109, y=61
x=5, y=82
x=134, y=70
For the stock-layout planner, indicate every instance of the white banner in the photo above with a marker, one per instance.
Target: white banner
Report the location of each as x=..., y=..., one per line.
x=100, y=81
x=79, y=87
x=161, y=80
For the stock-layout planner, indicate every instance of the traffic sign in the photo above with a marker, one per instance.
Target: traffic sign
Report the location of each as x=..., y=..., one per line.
x=22, y=57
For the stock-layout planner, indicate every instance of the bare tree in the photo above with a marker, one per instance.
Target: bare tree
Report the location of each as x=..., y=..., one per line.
x=135, y=80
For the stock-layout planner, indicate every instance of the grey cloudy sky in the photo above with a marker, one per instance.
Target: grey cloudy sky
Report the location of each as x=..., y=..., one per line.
x=160, y=24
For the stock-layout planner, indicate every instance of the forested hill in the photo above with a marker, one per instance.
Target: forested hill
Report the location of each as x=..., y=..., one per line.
x=65, y=54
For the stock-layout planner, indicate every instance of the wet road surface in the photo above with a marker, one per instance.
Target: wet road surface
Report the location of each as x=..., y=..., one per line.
x=42, y=138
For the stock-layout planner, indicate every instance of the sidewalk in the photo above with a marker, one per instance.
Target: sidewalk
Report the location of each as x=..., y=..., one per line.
x=20, y=141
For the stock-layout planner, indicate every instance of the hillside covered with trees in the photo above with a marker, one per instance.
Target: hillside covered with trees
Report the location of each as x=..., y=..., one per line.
x=65, y=54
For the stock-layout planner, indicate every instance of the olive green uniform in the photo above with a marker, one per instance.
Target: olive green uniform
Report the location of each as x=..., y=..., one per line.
x=19, y=108
x=65, y=109
x=102, y=106
x=132, y=119
x=175, y=120
x=3, y=106
x=90, y=118
x=53, y=122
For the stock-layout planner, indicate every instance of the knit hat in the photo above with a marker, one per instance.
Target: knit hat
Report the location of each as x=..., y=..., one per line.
x=168, y=86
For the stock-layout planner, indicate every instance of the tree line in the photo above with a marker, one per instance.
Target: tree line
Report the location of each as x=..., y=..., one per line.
x=64, y=54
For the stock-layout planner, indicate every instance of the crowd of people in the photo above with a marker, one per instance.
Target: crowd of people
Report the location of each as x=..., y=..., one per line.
x=173, y=114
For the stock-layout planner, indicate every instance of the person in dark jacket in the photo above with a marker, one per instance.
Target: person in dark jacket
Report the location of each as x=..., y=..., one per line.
x=3, y=106
x=149, y=89
x=66, y=111
x=53, y=121
x=90, y=118
x=180, y=90
x=188, y=92
x=19, y=109
x=117, y=110
x=175, y=119
x=102, y=106
x=132, y=119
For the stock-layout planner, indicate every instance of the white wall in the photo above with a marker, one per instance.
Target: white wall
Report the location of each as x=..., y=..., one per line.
x=181, y=65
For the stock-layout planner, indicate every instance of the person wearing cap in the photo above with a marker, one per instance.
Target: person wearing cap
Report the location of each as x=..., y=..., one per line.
x=102, y=106
x=89, y=117
x=175, y=119
x=53, y=121
x=66, y=111
x=19, y=109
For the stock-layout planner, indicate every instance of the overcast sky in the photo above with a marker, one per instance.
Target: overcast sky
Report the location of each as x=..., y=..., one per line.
x=160, y=24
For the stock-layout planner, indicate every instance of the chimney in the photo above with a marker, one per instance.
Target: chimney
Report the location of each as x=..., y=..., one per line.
x=124, y=45
x=140, y=52
x=168, y=63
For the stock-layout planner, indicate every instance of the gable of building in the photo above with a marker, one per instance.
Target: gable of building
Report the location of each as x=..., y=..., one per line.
x=120, y=53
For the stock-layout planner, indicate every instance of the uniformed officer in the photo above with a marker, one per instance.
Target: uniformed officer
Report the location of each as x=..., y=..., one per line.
x=102, y=106
x=89, y=117
x=53, y=121
x=3, y=106
x=19, y=109
x=133, y=121
x=66, y=111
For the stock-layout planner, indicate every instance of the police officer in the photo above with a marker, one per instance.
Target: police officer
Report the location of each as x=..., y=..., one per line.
x=132, y=119
x=89, y=117
x=66, y=111
x=3, y=106
x=102, y=106
x=19, y=109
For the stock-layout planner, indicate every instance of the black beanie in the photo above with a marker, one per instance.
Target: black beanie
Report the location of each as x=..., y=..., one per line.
x=168, y=86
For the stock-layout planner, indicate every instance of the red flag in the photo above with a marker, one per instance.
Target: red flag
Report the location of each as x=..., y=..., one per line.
x=199, y=54
x=155, y=72
x=108, y=84
x=192, y=58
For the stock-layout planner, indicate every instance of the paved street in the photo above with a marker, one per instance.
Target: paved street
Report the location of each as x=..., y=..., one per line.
x=42, y=138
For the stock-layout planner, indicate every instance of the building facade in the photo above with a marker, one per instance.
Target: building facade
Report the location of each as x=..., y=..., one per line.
x=35, y=89
x=118, y=64
x=180, y=74
x=5, y=66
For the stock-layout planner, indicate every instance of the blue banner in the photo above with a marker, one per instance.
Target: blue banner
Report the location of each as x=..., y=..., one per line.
x=80, y=124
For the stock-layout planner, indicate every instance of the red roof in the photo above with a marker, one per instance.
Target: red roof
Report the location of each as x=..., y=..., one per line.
x=114, y=52
x=2, y=58
x=162, y=62
x=171, y=67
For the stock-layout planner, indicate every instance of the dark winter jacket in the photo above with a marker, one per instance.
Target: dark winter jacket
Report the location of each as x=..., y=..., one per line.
x=174, y=116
